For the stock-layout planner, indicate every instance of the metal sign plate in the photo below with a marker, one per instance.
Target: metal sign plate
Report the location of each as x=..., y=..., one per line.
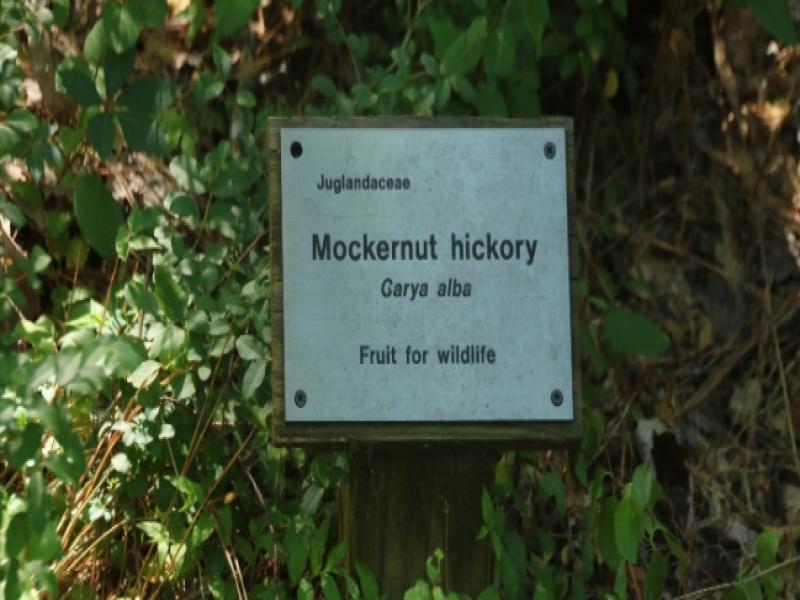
x=425, y=275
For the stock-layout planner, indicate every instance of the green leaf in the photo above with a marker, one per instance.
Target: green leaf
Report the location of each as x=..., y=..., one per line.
x=98, y=214
x=17, y=535
x=116, y=69
x=79, y=86
x=490, y=100
x=643, y=486
x=329, y=588
x=420, y=591
x=296, y=546
x=60, y=18
x=629, y=332
x=253, y=378
x=145, y=97
x=207, y=87
x=621, y=581
x=192, y=491
x=489, y=593
x=44, y=547
x=628, y=529
x=550, y=485
x=584, y=25
x=187, y=173
x=462, y=56
x=149, y=12
x=232, y=16
x=137, y=109
x=38, y=503
x=569, y=64
x=101, y=133
x=369, y=587
x=767, y=548
x=96, y=43
x=477, y=29
x=620, y=7
x=510, y=575
x=154, y=530
x=656, y=577
x=464, y=88
x=167, y=341
x=184, y=206
x=69, y=138
x=119, y=355
x=43, y=573
x=120, y=25
x=538, y=18
x=305, y=591
x=607, y=543
x=201, y=531
x=144, y=375
x=245, y=98
x=25, y=445
x=555, y=44
x=250, y=348
x=9, y=139
x=336, y=556
x=12, y=212
x=324, y=85
x=23, y=121
x=171, y=296
x=775, y=17
x=595, y=44
x=500, y=49
x=319, y=539
x=487, y=507
x=430, y=64
x=222, y=60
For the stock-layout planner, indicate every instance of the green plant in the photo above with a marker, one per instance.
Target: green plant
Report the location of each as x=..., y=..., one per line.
x=135, y=454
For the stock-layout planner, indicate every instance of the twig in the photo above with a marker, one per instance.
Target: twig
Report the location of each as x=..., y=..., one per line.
x=725, y=586
x=203, y=506
x=108, y=295
x=786, y=400
x=788, y=307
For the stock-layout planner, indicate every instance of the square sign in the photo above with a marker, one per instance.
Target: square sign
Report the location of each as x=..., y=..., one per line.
x=424, y=280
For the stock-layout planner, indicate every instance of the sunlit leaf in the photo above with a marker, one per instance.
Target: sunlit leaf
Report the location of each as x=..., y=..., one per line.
x=120, y=25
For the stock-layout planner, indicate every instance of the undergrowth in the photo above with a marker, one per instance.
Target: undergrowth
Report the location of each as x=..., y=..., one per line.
x=135, y=454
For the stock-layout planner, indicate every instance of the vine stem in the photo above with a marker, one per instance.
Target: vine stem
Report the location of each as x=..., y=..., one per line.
x=727, y=585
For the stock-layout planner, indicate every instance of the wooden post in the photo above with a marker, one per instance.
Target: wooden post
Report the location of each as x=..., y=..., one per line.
x=403, y=505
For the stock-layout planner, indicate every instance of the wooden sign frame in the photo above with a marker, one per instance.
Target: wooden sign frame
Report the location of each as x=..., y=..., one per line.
x=495, y=434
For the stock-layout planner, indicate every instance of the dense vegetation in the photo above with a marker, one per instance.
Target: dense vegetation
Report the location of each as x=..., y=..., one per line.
x=135, y=454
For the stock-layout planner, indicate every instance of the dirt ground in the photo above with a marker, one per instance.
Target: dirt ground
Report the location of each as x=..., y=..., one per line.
x=696, y=193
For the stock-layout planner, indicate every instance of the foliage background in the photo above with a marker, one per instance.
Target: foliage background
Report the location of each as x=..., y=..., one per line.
x=135, y=455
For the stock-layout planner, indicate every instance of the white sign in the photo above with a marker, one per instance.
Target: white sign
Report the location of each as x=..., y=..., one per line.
x=426, y=275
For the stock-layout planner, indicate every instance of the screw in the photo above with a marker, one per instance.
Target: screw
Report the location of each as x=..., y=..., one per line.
x=296, y=149
x=556, y=397
x=300, y=398
x=549, y=150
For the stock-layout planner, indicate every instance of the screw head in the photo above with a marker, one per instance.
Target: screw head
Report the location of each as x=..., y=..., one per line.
x=300, y=398
x=296, y=149
x=549, y=150
x=556, y=397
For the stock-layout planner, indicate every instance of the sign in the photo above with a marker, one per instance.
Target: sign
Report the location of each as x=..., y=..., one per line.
x=424, y=277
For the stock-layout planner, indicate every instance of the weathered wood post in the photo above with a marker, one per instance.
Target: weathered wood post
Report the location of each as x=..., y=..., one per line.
x=422, y=301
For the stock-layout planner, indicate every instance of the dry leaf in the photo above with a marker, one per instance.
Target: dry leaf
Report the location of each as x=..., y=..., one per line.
x=744, y=401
